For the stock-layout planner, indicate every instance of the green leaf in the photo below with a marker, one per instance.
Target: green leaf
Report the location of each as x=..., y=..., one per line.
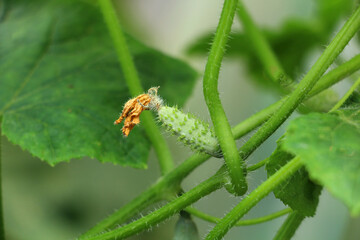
x=185, y=228
x=298, y=192
x=329, y=146
x=62, y=86
x=329, y=11
x=353, y=101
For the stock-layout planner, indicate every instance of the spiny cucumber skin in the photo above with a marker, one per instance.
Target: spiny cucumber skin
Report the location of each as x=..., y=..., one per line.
x=191, y=131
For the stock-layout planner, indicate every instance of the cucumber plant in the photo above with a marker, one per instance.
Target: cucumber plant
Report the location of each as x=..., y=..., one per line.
x=67, y=68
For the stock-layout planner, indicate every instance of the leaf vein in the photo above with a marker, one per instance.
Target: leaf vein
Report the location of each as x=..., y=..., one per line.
x=38, y=60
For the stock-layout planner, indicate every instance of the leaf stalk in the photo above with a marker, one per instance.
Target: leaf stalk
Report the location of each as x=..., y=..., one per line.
x=134, y=84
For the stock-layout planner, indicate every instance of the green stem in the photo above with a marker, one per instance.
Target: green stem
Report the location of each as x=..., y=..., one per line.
x=303, y=88
x=190, y=166
x=263, y=50
x=332, y=77
x=2, y=230
x=131, y=209
x=254, y=221
x=325, y=82
x=257, y=165
x=132, y=79
x=161, y=147
x=165, y=188
x=203, y=189
x=294, y=220
x=174, y=177
x=210, y=84
x=346, y=96
x=290, y=226
x=253, y=198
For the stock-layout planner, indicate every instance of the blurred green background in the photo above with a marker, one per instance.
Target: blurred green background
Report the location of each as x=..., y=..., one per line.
x=43, y=202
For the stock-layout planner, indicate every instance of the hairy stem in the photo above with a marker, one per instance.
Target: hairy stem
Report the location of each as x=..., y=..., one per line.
x=210, y=87
x=2, y=230
x=203, y=189
x=170, y=182
x=333, y=76
x=303, y=88
x=289, y=227
x=257, y=165
x=324, y=82
x=254, y=221
x=144, y=200
x=253, y=198
x=263, y=50
x=346, y=96
x=295, y=98
x=165, y=188
x=132, y=79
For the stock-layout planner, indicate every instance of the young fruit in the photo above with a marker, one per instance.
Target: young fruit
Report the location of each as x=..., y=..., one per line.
x=191, y=131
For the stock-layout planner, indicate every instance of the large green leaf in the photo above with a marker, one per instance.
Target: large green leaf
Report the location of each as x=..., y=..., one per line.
x=329, y=146
x=299, y=192
x=61, y=86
